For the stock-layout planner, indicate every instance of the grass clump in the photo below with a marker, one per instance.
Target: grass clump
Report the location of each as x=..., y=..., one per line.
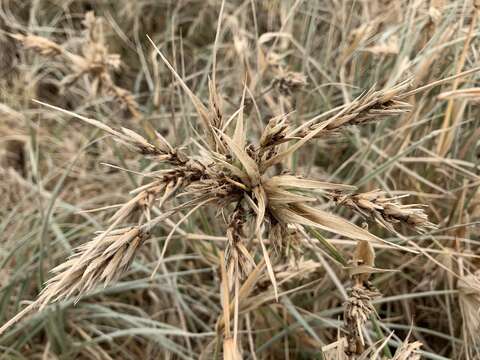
x=237, y=211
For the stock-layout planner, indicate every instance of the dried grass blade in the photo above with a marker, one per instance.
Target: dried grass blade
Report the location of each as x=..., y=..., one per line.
x=93, y=122
x=330, y=249
x=239, y=134
x=271, y=273
x=201, y=109
x=248, y=163
x=300, y=183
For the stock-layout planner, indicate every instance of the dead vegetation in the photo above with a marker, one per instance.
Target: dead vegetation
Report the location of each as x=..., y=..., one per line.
x=292, y=181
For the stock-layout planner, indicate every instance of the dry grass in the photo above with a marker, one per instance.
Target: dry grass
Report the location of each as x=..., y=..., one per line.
x=265, y=179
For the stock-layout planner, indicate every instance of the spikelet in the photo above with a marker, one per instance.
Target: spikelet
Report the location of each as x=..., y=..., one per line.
x=408, y=351
x=39, y=44
x=386, y=211
x=370, y=106
x=287, y=82
x=98, y=261
x=358, y=309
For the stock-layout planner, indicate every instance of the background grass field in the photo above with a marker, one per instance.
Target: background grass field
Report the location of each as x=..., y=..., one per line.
x=62, y=179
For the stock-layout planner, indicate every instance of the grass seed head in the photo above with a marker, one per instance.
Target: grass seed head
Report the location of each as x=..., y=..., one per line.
x=408, y=351
x=98, y=261
x=39, y=44
x=385, y=211
x=288, y=82
x=358, y=309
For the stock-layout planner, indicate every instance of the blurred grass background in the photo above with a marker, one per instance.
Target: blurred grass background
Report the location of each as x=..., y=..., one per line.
x=52, y=170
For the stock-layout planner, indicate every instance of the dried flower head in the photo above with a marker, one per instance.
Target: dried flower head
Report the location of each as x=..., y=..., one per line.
x=94, y=60
x=385, y=211
x=39, y=44
x=100, y=260
x=358, y=310
x=96, y=262
x=237, y=256
x=408, y=351
x=287, y=82
x=372, y=105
